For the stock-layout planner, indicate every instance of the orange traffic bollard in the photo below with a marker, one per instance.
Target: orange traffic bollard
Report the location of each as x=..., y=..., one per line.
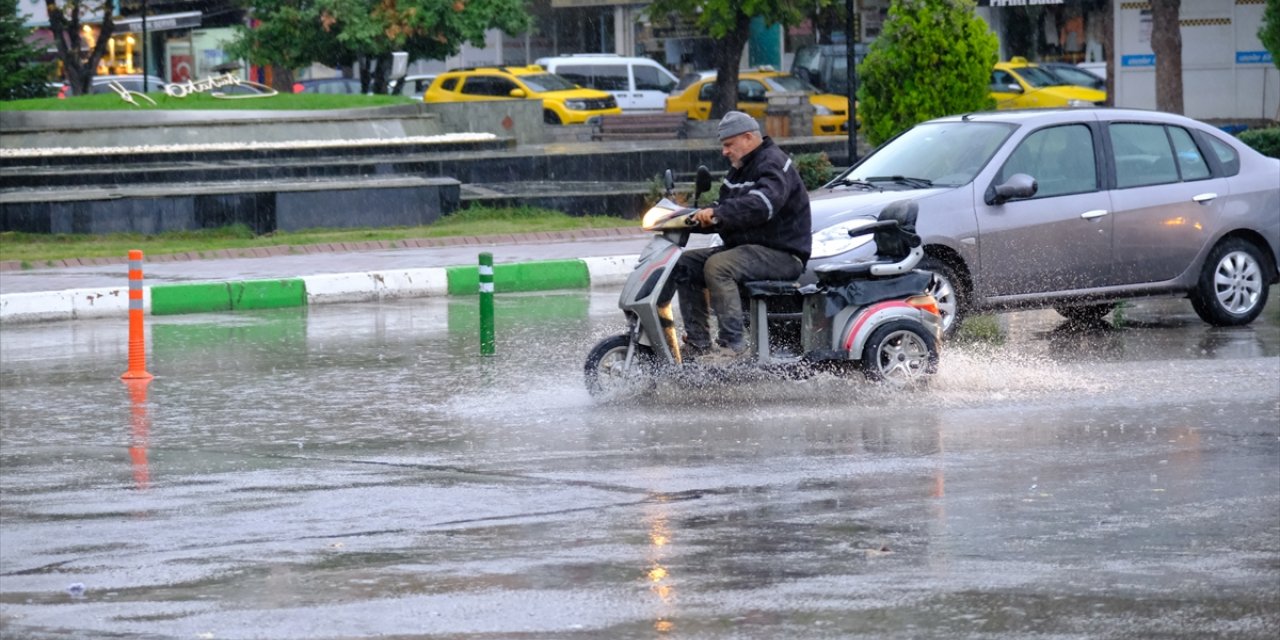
x=137, y=338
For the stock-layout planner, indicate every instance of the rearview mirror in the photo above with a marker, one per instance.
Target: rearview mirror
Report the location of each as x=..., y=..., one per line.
x=1019, y=185
x=702, y=183
x=517, y=93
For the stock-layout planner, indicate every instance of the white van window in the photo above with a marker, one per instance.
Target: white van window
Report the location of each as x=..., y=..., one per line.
x=650, y=79
x=605, y=77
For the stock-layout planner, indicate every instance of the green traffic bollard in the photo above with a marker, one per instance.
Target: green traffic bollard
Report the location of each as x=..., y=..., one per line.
x=486, y=304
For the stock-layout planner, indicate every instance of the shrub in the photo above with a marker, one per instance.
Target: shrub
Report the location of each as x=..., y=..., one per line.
x=814, y=168
x=1265, y=141
x=932, y=58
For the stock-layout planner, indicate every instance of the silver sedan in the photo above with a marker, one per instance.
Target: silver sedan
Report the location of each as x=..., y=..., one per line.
x=1074, y=209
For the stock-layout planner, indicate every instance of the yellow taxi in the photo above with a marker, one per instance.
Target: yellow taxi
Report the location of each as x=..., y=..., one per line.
x=1018, y=84
x=563, y=102
x=696, y=92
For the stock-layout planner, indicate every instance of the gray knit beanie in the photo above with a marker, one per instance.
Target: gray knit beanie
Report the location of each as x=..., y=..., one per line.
x=734, y=123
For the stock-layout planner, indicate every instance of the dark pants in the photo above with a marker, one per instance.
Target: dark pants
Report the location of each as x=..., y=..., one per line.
x=718, y=271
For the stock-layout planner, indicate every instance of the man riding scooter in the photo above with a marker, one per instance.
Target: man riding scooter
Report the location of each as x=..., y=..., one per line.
x=763, y=218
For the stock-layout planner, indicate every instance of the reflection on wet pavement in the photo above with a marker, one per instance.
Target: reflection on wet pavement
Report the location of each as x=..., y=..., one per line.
x=350, y=471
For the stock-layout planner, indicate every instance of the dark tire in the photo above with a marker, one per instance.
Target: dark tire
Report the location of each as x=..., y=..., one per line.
x=605, y=373
x=1233, y=284
x=900, y=354
x=550, y=117
x=948, y=289
x=1087, y=313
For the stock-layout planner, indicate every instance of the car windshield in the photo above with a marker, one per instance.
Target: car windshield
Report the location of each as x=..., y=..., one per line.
x=1037, y=77
x=789, y=83
x=944, y=154
x=541, y=82
x=1078, y=77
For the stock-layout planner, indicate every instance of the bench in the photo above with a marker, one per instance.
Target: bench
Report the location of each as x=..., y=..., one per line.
x=641, y=126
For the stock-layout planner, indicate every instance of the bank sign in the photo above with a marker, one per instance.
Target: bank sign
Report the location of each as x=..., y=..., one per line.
x=1242, y=57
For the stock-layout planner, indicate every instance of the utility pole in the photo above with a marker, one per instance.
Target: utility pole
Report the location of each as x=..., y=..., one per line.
x=853, y=80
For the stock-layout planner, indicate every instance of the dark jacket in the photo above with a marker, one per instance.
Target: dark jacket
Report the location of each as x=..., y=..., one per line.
x=765, y=203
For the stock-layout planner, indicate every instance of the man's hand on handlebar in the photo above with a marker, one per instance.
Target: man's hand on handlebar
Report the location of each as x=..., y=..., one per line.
x=705, y=217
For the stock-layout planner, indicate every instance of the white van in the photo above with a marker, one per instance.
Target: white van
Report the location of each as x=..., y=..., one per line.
x=639, y=84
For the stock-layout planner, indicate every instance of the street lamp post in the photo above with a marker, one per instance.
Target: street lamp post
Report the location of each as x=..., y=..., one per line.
x=146, y=48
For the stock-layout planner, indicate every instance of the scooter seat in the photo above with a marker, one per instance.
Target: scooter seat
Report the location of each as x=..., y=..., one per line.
x=843, y=272
x=766, y=288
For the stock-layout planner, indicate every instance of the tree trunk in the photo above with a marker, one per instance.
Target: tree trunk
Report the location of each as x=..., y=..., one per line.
x=77, y=70
x=728, y=56
x=1166, y=43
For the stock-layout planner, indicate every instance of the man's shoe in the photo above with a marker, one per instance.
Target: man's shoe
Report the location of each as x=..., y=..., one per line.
x=690, y=351
x=725, y=355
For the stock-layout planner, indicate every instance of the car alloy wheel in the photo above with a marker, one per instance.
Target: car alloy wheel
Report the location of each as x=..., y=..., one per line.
x=1233, y=285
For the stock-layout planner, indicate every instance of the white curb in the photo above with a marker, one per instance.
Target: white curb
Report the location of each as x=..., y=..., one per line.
x=610, y=270
x=71, y=304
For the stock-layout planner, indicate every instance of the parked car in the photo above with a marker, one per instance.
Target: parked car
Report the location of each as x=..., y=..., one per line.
x=413, y=86
x=328, y=86
x=638, y=84
x=131, y=82
x=563, y=102
x=831, y=112
x=1073, y=75
x=1073, y=209
x=1019, y=84
x=826, y=66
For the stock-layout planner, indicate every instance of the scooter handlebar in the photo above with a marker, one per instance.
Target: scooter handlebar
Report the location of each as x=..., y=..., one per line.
x=873, y=227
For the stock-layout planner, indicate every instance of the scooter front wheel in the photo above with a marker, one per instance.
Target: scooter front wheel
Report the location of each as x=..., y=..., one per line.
x=900, y=353
x=607, y=373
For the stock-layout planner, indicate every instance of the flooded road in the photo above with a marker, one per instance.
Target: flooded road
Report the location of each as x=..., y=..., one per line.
x=359, y=471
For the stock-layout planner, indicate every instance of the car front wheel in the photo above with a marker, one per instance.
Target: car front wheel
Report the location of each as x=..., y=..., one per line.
x=945, y=287
x=1233, y=285
x=550, y=117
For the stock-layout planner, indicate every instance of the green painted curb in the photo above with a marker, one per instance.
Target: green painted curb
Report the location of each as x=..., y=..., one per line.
x=170, y=299
x=268, y=294
x=525, y=276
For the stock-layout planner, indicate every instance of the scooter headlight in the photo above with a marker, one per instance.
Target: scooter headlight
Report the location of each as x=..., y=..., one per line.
x=658, y=214
x=835, y=240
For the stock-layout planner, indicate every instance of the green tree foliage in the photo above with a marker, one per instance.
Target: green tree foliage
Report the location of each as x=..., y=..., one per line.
x=20, y=76
x=933, y=58
x=337, y=33
x=79, y=61
x=729, y=23
x=1269, y=32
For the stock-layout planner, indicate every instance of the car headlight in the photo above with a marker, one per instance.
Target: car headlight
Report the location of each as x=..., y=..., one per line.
x=1079, y=103
x=576, y=105
x=821, y=110
x=835, y=240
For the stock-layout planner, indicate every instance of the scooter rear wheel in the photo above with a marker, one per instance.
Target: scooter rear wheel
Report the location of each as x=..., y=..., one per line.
x=901, y=354
x=606, y=372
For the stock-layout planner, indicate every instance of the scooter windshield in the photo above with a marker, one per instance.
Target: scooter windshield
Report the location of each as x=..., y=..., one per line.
x=665, y=215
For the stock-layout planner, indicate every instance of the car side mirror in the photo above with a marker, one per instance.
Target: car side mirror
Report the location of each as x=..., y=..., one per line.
x=1019, y=185
x=1013, y=88
x=517, y=93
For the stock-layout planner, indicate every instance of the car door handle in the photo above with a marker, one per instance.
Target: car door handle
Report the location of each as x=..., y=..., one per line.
x=1204, y=198
x=1096, y=213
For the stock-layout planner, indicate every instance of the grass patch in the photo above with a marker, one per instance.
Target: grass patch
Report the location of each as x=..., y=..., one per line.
x=203, y=101
x=983, y=328
x=32, y=248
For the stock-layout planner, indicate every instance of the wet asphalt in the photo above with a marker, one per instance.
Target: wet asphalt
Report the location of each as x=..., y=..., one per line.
x=358, y=471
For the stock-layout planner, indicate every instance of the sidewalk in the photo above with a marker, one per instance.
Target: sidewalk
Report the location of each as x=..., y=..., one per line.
x=323, y=273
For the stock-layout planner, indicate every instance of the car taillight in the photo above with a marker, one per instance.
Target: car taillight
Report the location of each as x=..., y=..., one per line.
x=925, y=302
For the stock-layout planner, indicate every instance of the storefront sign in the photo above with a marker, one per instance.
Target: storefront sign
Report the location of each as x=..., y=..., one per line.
x=164, y=22
x=1253, y=57
x=1017, y=3
x=1140, y=60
